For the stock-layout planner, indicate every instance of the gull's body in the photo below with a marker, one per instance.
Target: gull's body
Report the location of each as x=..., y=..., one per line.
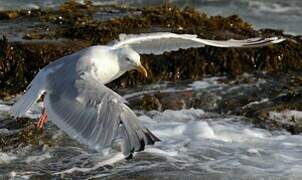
x=79, y=103
x=104, y=69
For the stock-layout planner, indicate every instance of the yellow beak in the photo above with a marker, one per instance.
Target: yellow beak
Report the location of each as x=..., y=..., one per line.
x=142, y=70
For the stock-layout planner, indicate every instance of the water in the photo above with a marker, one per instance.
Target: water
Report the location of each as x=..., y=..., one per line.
x=195, y=144
x=279, y=14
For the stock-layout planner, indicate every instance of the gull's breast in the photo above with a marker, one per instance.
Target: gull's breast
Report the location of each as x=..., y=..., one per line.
x=106, y=68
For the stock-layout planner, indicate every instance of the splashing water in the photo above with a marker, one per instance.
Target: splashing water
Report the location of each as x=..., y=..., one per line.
x=194, y=144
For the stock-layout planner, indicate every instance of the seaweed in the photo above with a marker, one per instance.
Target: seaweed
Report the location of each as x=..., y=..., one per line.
x=76, y=23
x=20, y=62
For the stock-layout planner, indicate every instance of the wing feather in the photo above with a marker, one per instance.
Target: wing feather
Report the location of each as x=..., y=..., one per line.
x=160, y=42
x=33, y=92
x=94, y=115
x=37, y=87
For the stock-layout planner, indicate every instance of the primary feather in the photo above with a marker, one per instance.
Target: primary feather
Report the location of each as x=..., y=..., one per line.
x=33, y=92
x=160, y=42
x=93, y=114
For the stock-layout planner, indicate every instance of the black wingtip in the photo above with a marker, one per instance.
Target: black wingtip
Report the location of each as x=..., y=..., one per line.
x=129, y=157
x=151, y=138
x=142, y=145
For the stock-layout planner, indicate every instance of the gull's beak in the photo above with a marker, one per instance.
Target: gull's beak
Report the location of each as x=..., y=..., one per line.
x=142, y=70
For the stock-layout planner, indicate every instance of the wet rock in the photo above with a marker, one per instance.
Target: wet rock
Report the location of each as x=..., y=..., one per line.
x=162, y=101
x=260, y=113
x=13, y=14
x=19, y=62
x=151, y=103
x=252, y=96
x=76, y=21
x=17, y=133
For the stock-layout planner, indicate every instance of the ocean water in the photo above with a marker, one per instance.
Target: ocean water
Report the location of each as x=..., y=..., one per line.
x=195, y=144
x=279, y=14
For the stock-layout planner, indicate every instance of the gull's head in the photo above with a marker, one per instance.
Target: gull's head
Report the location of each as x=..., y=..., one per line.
x=129, y=60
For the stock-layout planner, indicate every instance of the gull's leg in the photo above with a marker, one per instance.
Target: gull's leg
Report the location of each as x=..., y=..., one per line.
x=43, y=119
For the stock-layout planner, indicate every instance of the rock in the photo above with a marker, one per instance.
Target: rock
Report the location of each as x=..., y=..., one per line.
x=20, y=61
x=252, y=96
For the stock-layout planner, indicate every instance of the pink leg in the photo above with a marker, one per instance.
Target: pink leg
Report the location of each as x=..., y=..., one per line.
x=43, y=119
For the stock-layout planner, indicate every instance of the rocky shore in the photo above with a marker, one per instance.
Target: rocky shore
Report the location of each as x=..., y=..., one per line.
x=74, y=26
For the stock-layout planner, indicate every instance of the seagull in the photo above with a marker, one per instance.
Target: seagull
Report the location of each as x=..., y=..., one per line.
x=77, y=100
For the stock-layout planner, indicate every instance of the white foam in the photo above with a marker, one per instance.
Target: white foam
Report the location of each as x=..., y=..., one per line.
x=162, y=87
x=6, y=157
x=256, y=102
x=38, y=158
x=182, y=115
x=33, y=112
x=4, y=107
x=206, y=83
x=161, y=152
x=222, y=143
x=108, y=160
x=286, y=116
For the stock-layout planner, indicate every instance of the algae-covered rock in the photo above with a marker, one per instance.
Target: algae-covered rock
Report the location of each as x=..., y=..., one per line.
x=15, y=133
x=20, y=61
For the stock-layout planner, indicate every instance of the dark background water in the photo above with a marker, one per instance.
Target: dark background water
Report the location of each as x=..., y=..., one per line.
x=279, y=14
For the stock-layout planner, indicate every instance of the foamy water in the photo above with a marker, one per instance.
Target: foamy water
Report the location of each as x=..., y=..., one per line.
x=194, y=144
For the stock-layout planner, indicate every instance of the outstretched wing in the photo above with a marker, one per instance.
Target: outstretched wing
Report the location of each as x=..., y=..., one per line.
x=158, y=43
x=38, y=86
x=94, y=115
x=33, y=92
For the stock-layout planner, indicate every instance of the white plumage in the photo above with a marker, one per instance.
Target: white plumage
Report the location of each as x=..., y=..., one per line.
x=79, y=103
x=158, y=43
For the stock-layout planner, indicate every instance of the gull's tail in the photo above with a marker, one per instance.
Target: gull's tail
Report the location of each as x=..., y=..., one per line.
x=33, y=92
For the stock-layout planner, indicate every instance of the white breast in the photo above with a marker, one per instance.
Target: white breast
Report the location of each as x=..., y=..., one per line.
x=105, y=67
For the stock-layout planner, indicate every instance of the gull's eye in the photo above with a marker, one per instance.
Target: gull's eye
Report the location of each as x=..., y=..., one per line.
x=127, y=59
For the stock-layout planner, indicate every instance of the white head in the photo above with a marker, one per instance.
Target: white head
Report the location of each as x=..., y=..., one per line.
x=129, y=60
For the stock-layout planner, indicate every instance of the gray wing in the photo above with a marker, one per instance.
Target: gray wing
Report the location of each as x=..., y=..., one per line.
x=38, y=86
x=94, y=115
x=158, y=43
x=33, y=92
